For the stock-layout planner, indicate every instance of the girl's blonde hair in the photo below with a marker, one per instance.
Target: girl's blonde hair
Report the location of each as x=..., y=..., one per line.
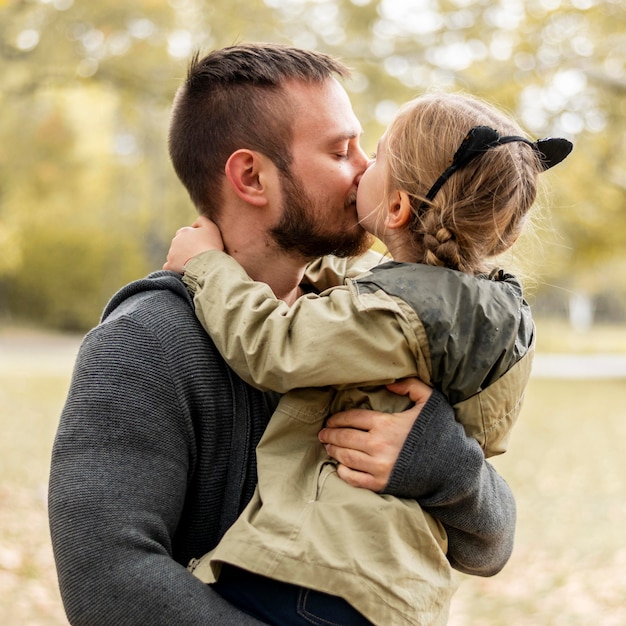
x=480, y=210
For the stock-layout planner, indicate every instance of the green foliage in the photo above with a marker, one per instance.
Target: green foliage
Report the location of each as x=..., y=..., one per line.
x=87, y=86
x=69, y=274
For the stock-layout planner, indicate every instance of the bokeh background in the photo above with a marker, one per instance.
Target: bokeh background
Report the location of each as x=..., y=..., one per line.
x=89, y=201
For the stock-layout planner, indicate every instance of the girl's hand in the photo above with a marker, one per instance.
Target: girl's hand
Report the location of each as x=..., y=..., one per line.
x=189, y=241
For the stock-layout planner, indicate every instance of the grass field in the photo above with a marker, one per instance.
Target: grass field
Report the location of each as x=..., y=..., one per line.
x=566, y=465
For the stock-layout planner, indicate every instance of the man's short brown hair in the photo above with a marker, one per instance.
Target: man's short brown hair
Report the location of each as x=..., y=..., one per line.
x=235, y=98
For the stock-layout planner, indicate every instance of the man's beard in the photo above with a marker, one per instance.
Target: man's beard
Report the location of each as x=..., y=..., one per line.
x=300, y=232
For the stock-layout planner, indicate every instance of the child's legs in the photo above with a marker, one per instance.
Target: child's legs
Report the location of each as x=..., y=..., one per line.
x=283, y=604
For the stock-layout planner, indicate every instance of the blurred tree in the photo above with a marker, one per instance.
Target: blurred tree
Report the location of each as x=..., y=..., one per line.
x=86, y=89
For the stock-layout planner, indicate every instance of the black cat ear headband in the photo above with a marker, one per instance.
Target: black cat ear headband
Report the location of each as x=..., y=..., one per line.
x=550, y=151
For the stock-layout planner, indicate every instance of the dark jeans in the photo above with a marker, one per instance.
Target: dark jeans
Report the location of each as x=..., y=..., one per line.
x=282, y=604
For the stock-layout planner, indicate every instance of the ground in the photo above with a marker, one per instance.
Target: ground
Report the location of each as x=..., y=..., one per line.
x=565, y=465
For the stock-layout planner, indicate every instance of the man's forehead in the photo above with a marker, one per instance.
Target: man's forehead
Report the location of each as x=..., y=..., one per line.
x=326, y=136
x=326, y=102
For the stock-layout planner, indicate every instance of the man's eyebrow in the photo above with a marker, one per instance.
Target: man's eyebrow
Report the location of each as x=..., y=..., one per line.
x=346, y=136
x=355, y=134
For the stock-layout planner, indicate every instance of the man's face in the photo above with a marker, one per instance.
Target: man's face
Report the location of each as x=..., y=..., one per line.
x=319, y=215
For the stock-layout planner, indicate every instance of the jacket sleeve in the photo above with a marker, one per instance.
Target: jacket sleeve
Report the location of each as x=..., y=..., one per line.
x=446, y=472
x=489, y=415
x=331, y=271
x=119, y=475
x=336, y=339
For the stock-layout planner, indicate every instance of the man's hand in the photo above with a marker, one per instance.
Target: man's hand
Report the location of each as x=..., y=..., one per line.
x=189, y=241
x=367, y=443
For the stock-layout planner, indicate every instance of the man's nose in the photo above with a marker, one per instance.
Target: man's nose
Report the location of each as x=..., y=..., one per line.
x=363, y=163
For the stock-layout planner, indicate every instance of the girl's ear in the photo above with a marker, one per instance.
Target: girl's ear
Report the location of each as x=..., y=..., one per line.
x=246, y=172
x=398, y=211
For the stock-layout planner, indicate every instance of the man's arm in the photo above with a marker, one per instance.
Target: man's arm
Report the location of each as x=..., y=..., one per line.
x=120, y=472
x=430, y=459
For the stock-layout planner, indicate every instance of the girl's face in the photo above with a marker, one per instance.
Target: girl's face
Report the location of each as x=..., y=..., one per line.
x=370, y=199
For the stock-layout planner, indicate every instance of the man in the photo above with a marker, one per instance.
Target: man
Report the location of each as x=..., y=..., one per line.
x=154, y=456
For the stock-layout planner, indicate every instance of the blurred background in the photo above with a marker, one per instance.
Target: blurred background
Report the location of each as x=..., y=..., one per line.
x=89, y=201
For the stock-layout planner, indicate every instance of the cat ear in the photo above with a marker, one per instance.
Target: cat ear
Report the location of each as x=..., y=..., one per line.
x=552, y=150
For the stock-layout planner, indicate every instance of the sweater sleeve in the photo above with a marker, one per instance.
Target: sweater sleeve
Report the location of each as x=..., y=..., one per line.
x=446, y=472
x=119, y=475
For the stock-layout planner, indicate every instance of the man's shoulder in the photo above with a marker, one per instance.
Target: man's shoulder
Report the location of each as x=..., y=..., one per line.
x=150, y=328
x=151, y=318
x=160, y=289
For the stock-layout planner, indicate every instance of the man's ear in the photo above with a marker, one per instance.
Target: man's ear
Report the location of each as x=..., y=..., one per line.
x=398, y=210
x=246, y=172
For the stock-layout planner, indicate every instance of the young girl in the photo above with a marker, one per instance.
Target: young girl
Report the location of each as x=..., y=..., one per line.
x=451, y=186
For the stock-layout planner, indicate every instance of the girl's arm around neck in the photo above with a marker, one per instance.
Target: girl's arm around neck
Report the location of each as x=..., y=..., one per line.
x=340, y=338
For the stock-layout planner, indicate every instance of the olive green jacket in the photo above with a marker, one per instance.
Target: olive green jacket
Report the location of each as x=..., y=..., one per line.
x=470, y=337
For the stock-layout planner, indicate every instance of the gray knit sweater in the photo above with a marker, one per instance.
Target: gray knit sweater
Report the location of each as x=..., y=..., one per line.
x=154, y=459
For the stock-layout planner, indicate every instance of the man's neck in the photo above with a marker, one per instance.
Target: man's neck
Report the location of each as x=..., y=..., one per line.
x=246, y=239
x=283, y=273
